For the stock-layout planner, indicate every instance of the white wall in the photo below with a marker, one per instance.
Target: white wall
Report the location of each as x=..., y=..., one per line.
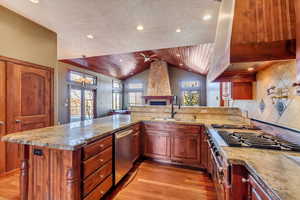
x=213, y=94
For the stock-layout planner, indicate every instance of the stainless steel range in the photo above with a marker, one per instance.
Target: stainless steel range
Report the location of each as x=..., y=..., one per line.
x=251, y=136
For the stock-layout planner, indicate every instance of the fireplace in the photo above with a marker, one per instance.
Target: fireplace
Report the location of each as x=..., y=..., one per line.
x=159, y=89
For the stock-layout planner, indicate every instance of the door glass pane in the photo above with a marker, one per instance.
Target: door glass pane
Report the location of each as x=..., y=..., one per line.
x=191, y=98
x=135, y=98
x=116, y=101
x=75, y=105
x=89, y=104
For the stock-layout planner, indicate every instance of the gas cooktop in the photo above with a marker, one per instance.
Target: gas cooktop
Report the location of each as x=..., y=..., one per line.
x=231, y=126
x=257, y=140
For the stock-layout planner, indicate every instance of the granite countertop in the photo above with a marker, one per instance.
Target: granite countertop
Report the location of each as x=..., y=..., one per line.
x=74, y=135
x=278, y=170
x=71, y=136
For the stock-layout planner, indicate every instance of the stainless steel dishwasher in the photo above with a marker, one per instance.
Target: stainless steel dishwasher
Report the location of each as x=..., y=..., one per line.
x=123, y=153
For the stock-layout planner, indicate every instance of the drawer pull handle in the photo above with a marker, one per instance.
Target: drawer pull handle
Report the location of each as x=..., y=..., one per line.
x=102, y=192
x=101, y=160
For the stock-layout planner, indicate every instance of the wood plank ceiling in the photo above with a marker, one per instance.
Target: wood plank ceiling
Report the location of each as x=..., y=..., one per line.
x=122, y=66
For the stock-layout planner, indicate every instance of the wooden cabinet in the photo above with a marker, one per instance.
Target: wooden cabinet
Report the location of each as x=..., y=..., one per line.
x=174, y=143
x=241, y=91
x=157, y=145
x=297, y=8
x=185, y=148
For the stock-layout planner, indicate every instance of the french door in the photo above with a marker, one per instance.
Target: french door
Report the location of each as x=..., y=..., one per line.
x=82, y=103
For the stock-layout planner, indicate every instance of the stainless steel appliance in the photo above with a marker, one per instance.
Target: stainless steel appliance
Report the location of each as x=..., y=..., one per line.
x=257, y=140
x=124, y=157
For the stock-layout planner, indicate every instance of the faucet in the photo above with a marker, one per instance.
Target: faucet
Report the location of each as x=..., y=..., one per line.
x=173, y=113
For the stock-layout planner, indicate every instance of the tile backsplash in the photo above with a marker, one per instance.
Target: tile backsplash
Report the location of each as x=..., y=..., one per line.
x=284, y=112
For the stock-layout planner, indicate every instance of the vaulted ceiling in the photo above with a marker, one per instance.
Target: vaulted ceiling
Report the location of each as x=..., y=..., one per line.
x=113, y=24
x=191, y=58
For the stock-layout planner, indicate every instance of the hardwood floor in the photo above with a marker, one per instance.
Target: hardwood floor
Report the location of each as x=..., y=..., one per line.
x=9, y=187
x=149, y=181
x=153, y=181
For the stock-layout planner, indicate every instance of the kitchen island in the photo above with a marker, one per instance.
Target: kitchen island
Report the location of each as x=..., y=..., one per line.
x=74, y=161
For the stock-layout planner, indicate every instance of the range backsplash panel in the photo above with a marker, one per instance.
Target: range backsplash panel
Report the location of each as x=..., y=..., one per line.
x=284, y=112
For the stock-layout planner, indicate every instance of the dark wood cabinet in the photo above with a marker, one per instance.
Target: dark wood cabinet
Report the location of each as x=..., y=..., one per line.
x=185, y=148
x=157, y=145
x=174, y=143
x=241, y=91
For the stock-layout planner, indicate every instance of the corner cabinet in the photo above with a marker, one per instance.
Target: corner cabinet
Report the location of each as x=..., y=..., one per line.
x=173, y=143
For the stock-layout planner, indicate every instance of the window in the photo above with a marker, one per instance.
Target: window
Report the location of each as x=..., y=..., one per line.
x=117, y=95
x=82, y=96
x=190, y=91
x=135, y=98
x=135, y=93
x=81, y=78
x=135, y=86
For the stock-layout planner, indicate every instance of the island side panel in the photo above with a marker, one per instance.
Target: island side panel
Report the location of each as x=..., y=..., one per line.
x=48, y=174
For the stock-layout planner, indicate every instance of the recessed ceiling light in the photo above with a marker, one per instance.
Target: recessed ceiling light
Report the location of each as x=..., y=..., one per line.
x=178, y=30
x=178, y=55
x=250, y=69
x=34, y=1
x=206, y=17
x=90, y=36
x=140, y=28
x=121, y=60
x=180, y=64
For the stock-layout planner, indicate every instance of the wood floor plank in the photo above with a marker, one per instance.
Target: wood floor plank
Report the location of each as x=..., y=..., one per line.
x=149, y=181
x=153, y=181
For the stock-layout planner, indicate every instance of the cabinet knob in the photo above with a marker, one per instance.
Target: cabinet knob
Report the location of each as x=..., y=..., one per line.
x=244, y=180
x=18, y=121
x=101, y=176
x=101, y=145
x=101, y=160
x=2, y=123
x=102, y=192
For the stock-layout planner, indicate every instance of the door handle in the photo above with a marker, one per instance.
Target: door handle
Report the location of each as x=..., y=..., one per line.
x=18, y=121
x=2, y=123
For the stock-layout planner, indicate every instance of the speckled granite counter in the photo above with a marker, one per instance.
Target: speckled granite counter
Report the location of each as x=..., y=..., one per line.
x=74, y=135
x=71, y=136
x=278, y=170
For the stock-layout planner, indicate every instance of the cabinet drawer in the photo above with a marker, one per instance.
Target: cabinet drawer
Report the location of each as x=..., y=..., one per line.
x=100, y=190
x=97, y=177
x=96, y=147
x=97, y=161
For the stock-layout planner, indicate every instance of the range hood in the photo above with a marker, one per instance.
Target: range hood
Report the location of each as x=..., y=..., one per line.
x=159, y=89
x=253, y=31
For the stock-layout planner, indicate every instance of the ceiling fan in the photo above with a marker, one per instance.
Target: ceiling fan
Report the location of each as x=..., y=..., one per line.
x=149, y=58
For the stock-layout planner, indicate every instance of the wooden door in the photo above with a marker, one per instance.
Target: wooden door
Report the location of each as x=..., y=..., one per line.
x=29, y=105
x=2, y=114
x=185, y=148
x=157, y=145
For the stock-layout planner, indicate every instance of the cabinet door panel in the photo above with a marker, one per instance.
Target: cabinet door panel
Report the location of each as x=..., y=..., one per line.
x=2, y=114
x=157, y=145
x=186, y=148
x=29, y=105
